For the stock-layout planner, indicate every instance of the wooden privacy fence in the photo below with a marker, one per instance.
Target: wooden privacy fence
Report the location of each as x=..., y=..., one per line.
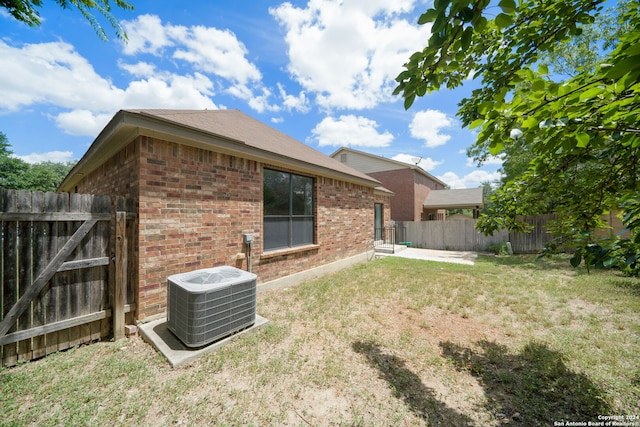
x=461, y=235
x=454, y=235
x=62, y=272
x=533, y=241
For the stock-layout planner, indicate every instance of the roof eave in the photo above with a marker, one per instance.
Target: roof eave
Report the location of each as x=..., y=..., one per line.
x=127, y=125
x=396, y=162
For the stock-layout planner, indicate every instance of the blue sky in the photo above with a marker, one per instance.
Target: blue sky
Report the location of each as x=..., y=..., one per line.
x=320, y=71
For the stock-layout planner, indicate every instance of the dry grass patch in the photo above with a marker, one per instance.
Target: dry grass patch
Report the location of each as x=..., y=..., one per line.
x=513, y=340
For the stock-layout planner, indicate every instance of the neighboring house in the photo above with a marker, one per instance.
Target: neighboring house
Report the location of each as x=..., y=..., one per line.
x=410, y=184
x=464, y=198
x=198, y=181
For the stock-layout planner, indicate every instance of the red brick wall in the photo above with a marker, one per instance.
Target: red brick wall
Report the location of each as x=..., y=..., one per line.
x=117, y=176
x=194, y=206
x=423, y=186
x=411, y=189
x=401, y=182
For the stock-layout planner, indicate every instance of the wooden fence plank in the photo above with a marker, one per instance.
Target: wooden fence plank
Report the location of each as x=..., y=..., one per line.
x=459, y=235
x=85, y=275
x=96, y=320
x=534, y=241
x=74, y=290
x=462, y=235
x=74, y=286
x=121, y=275
x=9, y=271
x=84, y=263
x=25, y=272
x=62, y=279
x=100, y=283
x=54, y=216
x=40, y=262
x=53, y=327
x=44, y=277
x=50, y=298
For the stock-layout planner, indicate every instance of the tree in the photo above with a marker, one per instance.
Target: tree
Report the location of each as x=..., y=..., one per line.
x=11, y=168
x=26, y=11
x=585, y=51
x=45, y=176
x=582, y=134
x=589, y=48
x=17, y=174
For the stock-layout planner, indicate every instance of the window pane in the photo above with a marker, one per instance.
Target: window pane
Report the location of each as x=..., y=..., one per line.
x=276, y=233
x=288, y=210
x=276, y=192
x=302, y=231
x=302, y=189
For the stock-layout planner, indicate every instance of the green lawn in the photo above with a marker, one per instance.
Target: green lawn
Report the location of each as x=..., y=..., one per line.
x=509, y=341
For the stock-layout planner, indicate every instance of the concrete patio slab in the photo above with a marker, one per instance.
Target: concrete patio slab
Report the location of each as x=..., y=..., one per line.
x=159, y=336
x=457, y=257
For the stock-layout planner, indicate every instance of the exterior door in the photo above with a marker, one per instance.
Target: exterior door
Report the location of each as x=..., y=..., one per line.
x=377, y=219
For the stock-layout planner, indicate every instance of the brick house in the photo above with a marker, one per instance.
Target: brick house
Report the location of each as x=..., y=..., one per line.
x=199, y=180
x=410, y=184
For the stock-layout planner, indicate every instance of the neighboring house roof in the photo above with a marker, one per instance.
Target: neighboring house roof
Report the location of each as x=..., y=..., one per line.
x=466, y=198
x=379, y=164
x=227, y=131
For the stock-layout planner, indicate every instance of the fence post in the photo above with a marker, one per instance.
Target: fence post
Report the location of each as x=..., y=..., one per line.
x=121, y=275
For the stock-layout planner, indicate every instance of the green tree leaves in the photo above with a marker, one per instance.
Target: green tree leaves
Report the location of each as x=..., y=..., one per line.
x=577, y=148
x=507, y=6
x=18, y=175
x=27, y=12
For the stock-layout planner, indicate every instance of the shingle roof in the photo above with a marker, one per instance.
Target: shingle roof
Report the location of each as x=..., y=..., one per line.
x=455, y=199
x=229, y=131
x=240, y=127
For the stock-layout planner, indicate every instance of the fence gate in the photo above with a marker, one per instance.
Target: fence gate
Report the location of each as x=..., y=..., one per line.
x=55, y=269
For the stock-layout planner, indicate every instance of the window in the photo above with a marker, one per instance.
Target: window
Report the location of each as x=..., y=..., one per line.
x=288, y=210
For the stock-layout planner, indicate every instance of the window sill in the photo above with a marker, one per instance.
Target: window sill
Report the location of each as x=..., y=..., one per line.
x=288, y=251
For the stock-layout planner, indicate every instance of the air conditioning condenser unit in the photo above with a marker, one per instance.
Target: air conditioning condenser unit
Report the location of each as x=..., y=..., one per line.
x=210, y=304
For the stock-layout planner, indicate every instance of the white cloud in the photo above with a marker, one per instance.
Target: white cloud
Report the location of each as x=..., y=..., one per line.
x=362, y=45
x=82, y=122
x=427, y=164
x=51, y=156
x=139, y=69
x=428, y=125
x=170, y=91
x=471, y=180
x=52, y=73
x=207, y=49
x=146, y=34
x=298, y=103
x=216, y=52
x=350, y=131
x=55, y=74
x=260, y=103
